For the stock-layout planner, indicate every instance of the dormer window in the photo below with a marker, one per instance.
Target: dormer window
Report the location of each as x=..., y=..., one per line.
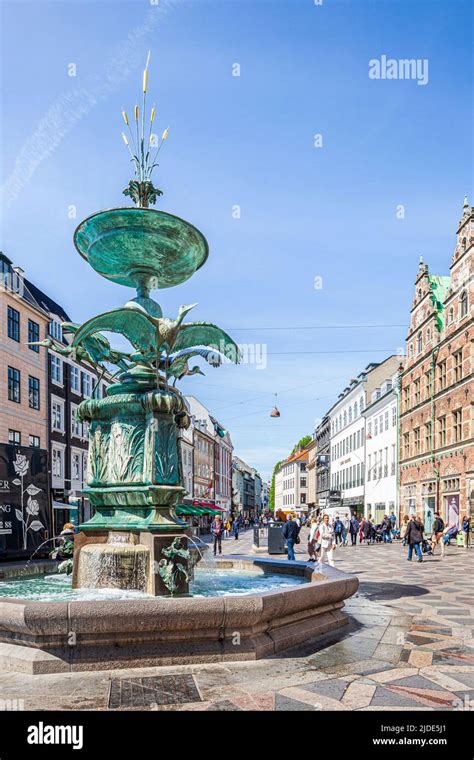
x=463, y=303
x=55, y=330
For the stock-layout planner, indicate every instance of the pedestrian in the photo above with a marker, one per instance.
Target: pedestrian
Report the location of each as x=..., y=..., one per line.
x=465, y=527
x=437, y=533
x=217, y=530
x=393, y=523
x=291, y=534
x=338, y=528
x=386, y=529
x=403, y=530
x=354, y=529
x=346, y=526
x=235, y=528
x=312, y=544
x=326, y=537
x=367, y=530
x=414, y=537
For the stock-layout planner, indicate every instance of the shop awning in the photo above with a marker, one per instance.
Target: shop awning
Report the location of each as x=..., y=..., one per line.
x=63, y=505
x=186, y=510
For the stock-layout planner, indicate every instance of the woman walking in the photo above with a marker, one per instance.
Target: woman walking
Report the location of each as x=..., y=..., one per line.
x=327, y=541
x=313, y=529
x=414, y=537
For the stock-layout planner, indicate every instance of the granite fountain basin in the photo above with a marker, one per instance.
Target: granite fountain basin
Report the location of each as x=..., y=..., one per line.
x=49, y=637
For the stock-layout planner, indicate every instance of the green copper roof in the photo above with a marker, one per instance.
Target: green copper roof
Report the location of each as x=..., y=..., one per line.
x=440, y=285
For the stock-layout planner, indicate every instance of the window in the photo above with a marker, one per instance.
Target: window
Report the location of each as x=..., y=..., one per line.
x=457, y=426
x=386, y=420
x=406, y=397
x=394, y=459
x=369, y=465
x=302, y=482
x=86, y=384
x=442, y=431
x=416, y=434
x=406, y=445
x=427, y=384
x=76, y=427
x=428, y=436
x=14, y=436
x=303, y=498
x=442, y=375
x=55, y=330
x=457, y=357
x=376, y=426
x=13, y=320
x=57, y=463
x=428, y=335
x=34, y=441
x=56, y=369
x=76, y=466
x=419, y=343
x=33, y=334
x=417, y=385
x=394, y=416
x=463, y=303
x=33, y=392
x=451, y=315
x=75, y=379
x=410, y=350
x=57, y=416
x=13, y=385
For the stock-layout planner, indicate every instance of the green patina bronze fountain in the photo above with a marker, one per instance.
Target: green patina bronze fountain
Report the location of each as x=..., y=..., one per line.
x=134, y=479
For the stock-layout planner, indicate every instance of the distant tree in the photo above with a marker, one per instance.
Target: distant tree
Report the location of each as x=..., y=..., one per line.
x=302, y=443
x=271, y=495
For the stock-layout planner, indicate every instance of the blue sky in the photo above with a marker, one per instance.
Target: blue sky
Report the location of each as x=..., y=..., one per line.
x=306, y=212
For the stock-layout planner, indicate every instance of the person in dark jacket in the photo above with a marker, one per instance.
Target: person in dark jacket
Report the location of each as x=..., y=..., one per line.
x=290, y=533
x=386, y=527
x=354, y=529
x=437, y=533
x=367, y=531
x=414, y=537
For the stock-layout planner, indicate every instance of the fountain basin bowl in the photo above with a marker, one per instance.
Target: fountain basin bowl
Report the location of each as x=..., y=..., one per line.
x=141, y=247
x=35, y=636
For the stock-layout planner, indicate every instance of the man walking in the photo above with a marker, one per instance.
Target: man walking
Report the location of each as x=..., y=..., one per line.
x=354, y=529
x=290, y=533
x=437, y=534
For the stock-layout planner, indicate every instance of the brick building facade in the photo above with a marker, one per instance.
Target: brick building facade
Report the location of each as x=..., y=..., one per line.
x=436, y=451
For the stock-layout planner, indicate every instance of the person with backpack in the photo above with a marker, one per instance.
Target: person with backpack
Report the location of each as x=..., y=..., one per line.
x=437, y=533
x=217, y=530
x=291, y=535
x=338, y=529
x=414, y=537
x=354, y=529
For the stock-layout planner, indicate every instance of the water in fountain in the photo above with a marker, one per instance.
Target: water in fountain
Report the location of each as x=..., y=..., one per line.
x=119, y=563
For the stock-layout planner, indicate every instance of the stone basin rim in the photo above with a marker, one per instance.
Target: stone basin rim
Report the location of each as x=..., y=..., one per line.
x=316, y=577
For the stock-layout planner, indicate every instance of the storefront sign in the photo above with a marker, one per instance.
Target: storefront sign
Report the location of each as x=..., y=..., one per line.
x=24, y=502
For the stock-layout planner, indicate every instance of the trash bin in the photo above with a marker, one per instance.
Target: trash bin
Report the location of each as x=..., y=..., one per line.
x=276, y=542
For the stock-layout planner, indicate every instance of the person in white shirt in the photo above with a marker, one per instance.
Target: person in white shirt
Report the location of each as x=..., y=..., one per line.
x=327, y=541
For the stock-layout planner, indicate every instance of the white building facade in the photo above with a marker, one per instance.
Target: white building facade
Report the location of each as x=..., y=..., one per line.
x=291, y=484
x=348, y=445
x=381, y=415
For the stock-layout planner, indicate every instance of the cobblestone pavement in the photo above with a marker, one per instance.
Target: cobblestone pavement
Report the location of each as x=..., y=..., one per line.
x=409, y=646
